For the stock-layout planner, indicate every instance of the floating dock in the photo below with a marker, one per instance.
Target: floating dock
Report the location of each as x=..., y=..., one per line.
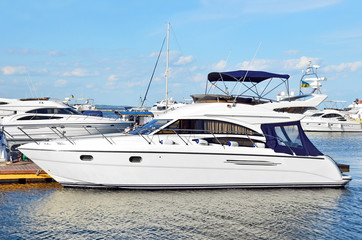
x=23, y=172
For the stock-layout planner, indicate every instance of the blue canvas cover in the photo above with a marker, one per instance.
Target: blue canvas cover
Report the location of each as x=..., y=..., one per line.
x=288, y=138
x=134, y=113
x=244, y=75
x=93, y=113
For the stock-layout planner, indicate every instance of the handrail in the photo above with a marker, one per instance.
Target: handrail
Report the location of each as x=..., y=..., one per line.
x=28, y=135
x=280, y=139
x=7, y=133
x=104, y=136
x=56, y=131
x=217, y=139
x=180, y=136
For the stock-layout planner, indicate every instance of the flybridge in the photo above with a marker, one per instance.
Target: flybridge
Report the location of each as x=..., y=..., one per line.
x=257, y=86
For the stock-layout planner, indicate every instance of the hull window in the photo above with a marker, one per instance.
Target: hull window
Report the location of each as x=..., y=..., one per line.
x=86, y=157
x=135, y=159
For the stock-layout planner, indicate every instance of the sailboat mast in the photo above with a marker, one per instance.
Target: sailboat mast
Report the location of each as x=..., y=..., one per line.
x=167, y=53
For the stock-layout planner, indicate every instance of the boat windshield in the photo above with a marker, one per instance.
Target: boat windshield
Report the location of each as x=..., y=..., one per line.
x=289, y=138
x=151, y=126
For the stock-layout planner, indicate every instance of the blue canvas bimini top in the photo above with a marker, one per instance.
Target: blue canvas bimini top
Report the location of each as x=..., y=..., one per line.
x=244, y=76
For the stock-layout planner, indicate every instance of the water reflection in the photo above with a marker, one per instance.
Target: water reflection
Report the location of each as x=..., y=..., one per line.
x=211, y=214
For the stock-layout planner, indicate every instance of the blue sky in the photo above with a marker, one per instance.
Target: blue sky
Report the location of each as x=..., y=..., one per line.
x=107, y=49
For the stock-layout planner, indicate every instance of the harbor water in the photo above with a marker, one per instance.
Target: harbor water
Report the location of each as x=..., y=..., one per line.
x=48, y=211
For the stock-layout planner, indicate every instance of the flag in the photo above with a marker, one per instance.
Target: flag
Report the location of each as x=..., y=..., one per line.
x=72, y=96
x=304, y=84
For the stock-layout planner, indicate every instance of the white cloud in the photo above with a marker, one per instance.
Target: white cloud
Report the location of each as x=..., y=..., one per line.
x=27, y=51
x=291, y=52
x=78, y=72
x=89, y=86
x=220, y=66
x=301, y=63
x=158, y=79
x=256, y=64
x=184, y=60
x=194, y=68
x=353, y=66
x=177, y=85
x=134, y=83
x=199, y=78
x=112, y=79
x=278, y=65
x=10, y=70
x=60, y=83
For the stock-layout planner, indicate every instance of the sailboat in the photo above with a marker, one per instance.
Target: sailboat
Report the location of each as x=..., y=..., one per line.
x=168, y=103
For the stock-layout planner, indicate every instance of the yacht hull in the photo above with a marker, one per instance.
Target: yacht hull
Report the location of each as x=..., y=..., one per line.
x=171, y=167
x=315, y=126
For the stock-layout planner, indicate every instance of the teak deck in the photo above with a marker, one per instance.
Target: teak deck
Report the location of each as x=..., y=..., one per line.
x=22, y=172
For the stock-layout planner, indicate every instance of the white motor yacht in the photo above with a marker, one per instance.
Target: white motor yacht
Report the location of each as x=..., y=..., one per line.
x=355, y=110
x=201, y=145
x=330, y=120
x=25, y=120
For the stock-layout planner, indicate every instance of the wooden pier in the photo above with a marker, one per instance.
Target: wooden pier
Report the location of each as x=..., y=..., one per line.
x=22, y=172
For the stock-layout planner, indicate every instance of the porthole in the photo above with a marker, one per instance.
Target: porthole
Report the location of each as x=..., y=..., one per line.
x=135, y=159
x=86, y=157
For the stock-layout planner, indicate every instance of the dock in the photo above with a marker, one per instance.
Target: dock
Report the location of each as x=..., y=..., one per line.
x=22, y=172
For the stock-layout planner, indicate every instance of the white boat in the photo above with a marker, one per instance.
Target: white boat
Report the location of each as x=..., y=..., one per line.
x=84, y=104
x=44, y=119
x=201, y=145
x=330, y=120
x=161, y=107
x=355, y=110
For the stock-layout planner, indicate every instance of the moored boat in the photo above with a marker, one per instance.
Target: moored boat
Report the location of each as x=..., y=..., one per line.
x=202, y=145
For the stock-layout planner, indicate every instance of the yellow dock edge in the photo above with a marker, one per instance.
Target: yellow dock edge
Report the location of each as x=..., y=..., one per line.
x=23, y=176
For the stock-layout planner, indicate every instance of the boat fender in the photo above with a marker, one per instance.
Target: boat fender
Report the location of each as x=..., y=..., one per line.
x=259, y=145
x=202, y=142
x=233, y=144
x=167, y=142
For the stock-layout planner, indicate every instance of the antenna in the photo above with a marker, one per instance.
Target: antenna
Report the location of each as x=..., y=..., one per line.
x=252, y=60
x=167, y=55
x=31, y=86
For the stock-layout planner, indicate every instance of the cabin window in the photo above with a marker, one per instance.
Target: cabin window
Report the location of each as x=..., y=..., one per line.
x=3, y=103
x=294, y=109
x=331, y=115
x=68, y=111
x=201, y=126
x=317, y=115
x=38, y=118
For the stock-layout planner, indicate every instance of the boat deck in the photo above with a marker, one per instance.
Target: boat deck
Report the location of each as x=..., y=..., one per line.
x=22, y=172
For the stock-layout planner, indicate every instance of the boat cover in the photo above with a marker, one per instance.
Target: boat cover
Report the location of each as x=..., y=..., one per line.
x=134, y=113
x=289, y=145
x=244, y=76
x=93, y=113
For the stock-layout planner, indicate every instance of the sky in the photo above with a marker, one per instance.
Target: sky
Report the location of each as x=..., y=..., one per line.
x=107, y=50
